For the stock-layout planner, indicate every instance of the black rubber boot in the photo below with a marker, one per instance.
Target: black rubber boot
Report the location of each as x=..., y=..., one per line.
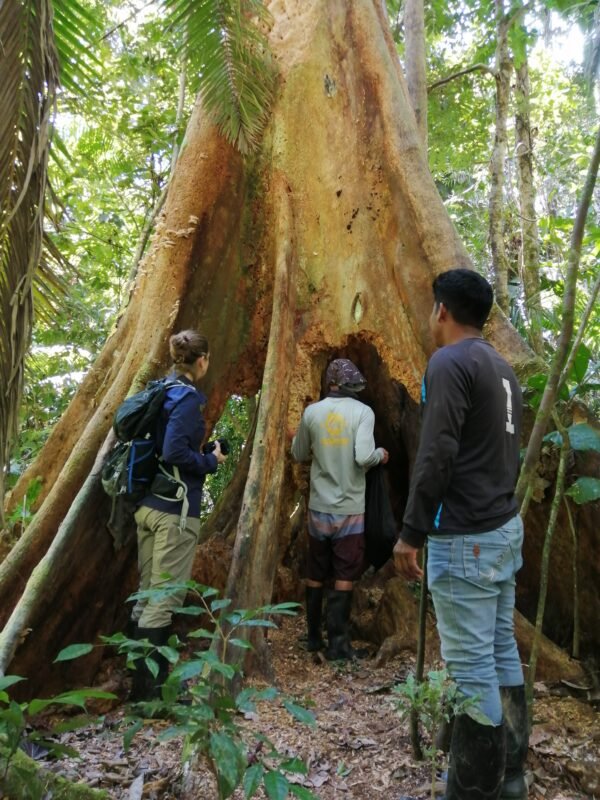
x=477, y=756
x=516, y=724
x=145, y=686
x=314, y=617
x=339, y=605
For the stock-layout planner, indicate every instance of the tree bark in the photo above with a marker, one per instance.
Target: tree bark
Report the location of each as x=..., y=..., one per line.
x=416, y=63
x=323, y=244
x=500, y=264
x=530, y=243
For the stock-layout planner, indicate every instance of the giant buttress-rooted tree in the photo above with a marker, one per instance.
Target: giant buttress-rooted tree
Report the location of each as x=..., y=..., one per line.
x=322, y=243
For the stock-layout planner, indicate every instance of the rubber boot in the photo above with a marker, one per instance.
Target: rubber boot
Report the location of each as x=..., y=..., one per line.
x=145, y=686
x=314, y=617
x=339, y=605
x=516, y=724
x=477, y=756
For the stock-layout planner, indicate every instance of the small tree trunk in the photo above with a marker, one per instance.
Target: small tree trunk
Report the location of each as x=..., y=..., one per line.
x=566, y=331
x=416, y=63
x=539, y=620
x=576, y=625
x=500, y=264
x=415, y=738
x=530, y=244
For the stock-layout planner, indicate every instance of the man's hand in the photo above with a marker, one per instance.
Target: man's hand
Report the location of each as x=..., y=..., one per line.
x=386, y=456
x=405, y=561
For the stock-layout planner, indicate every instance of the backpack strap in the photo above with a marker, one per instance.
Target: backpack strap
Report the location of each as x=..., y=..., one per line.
x=175, y=476
x=181, y=495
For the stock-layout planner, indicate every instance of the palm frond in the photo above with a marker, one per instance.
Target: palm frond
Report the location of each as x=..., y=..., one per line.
x=76, y=34
x=27, y=94
x=237, y=77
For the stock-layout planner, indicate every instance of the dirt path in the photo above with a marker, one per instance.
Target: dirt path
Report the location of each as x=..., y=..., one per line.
x=358, y=750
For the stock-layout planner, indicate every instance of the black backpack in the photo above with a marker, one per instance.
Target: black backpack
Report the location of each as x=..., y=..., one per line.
x=133, y=463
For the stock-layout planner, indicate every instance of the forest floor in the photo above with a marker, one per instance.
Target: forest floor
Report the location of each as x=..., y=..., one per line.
x=359, y=749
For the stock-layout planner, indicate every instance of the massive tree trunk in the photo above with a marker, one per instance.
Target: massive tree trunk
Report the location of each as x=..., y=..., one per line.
x=324, y=243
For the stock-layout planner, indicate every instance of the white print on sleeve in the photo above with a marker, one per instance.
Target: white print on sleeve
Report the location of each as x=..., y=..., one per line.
x=510, y=428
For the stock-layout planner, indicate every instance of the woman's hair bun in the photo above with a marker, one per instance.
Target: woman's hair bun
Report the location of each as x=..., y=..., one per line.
x=186, y=346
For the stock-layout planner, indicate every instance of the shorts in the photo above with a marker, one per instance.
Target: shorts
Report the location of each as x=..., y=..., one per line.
x=336, y=546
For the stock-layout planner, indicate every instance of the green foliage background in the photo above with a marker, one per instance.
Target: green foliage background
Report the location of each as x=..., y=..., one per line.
x=116, y=127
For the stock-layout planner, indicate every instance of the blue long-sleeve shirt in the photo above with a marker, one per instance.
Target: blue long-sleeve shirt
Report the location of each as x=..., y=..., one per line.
x=180, y=433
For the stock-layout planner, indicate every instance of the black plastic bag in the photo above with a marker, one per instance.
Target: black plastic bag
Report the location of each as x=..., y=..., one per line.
x=381, y=531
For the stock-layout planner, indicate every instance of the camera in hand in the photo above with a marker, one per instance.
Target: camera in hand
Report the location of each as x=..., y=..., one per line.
x=210, y=446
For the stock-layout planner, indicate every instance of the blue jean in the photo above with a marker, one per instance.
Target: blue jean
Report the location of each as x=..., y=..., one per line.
x=472, y=581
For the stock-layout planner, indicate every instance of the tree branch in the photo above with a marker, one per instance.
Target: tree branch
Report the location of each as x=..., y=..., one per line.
x=473, y=68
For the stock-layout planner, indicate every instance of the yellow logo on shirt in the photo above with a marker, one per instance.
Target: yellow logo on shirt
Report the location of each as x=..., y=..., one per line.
x=335, y=425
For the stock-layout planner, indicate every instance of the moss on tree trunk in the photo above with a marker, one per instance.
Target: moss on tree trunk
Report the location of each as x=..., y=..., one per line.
x=26, y=780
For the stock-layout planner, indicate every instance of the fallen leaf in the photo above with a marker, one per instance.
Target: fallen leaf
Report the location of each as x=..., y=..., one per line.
x=136, y=790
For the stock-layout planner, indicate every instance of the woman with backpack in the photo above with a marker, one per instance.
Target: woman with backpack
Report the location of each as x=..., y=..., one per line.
x=168, y=518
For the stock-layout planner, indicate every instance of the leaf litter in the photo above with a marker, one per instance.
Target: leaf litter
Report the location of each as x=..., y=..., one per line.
x=359, y=749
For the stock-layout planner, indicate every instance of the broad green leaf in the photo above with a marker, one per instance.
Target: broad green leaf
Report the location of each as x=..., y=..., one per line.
x=257, y=623
x=152, y=666
x=298, y=712
x=276, y=785
x=581, y=437
x=537, y=382
x=74, y=698
x=202, y=633
x=226, y=670
x=217, y=605
x=580, y=365
x=302, y=792
x=294, y=765
x=252, y=780
x=584, y=490
x=584, y=388
x=291, y=609
x=72, y=724
x=229, y=759
x=57, y=749
x=131, y=732
x=191, y=611
x=241, y=643
x=169, y=653
x=9, y=680
x=73, y=651
x=189, y=669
